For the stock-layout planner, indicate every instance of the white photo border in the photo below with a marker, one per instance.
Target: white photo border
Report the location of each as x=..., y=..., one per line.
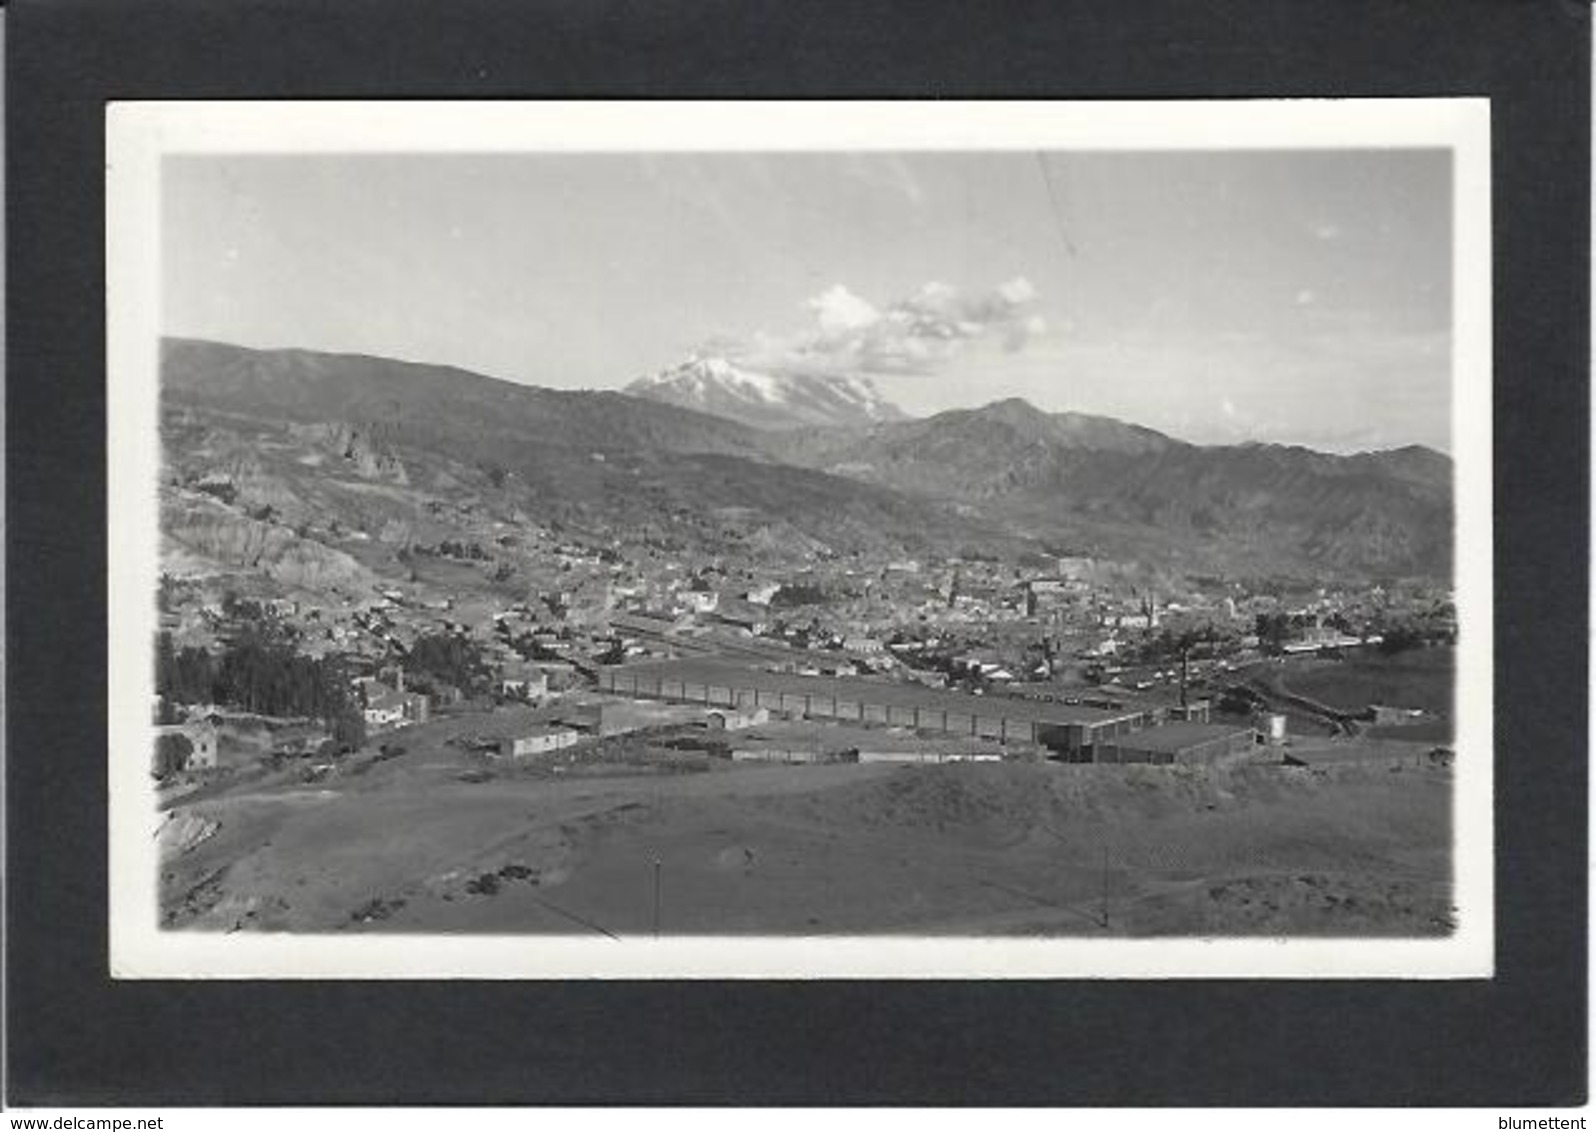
x=140, y=134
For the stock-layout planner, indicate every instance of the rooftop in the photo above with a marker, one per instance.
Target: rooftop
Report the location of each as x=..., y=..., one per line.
x=841, y=736
x=1179, y=736
x=726, y=673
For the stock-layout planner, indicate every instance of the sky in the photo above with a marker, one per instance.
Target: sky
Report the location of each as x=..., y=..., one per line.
x=1296, y=297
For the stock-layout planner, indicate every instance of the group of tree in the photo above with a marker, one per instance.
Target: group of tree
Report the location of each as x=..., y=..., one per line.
x=791, y=596
x=1238, y=699
x=450, y=658
x=1401, y=638
x=557, y=608
x=1187, y=640
x=1181, y=642
x=169, y=594
x=171, y=754
x=1275, y=630
x=527, y=647
x=261, y=674
x=250, y=613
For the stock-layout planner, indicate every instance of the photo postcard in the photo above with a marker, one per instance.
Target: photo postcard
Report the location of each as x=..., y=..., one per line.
x=767, y=540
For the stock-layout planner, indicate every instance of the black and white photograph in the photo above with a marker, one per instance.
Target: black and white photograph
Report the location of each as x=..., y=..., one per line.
x=769, y=539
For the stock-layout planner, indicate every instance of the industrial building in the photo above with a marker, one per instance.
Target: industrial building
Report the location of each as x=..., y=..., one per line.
x=1186, y=744
x=796, y=742
x=1073, y=731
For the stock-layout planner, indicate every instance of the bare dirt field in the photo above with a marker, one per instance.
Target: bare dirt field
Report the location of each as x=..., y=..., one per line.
x=1355, y=843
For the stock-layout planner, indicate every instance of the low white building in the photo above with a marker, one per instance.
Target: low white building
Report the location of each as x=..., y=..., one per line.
x=526, y=685
x=776, y=755
x=542, y=741
x=736, y=719
x=927, y=755
x=699, y=601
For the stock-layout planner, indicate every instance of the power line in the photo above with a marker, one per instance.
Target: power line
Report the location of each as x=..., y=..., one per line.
x=657, y=863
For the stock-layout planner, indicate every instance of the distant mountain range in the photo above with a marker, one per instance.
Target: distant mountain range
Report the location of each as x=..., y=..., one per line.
x=592, y=461
x=436, y=403
x=1374, y=512
x=767, y=399
x=1002, y=476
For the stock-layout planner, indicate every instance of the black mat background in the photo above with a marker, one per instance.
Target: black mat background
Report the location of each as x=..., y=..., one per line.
x=77, y=1038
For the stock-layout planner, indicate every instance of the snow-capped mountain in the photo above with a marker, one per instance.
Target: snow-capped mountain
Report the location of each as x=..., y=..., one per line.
x=767, y=400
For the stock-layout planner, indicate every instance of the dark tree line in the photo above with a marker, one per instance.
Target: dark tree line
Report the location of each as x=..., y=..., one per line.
x=451, y=659
x=171, y=754
x=1401, y=638
x=791, y=596
x=263, y=675
x=1275, y=629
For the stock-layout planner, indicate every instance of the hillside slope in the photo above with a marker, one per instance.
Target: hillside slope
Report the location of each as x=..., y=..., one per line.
x=1384, y=512
x=1003, y=475
x=388, y=454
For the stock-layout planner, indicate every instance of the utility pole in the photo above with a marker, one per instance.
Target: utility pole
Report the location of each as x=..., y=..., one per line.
x=657, y=863
x=1105, y=886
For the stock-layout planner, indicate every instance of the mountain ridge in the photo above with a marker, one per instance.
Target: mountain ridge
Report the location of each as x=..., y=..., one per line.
x=1387, y=510
x=1006, y=468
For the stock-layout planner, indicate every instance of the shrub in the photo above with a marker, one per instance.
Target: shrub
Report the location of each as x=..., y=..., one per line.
x=172, y=753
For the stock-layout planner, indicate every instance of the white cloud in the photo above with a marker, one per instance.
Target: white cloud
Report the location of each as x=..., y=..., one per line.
x=1018, y=290
x=918, y=334
x=839, y=311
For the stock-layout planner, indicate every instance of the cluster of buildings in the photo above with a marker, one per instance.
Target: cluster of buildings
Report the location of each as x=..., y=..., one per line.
x=983, y=649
